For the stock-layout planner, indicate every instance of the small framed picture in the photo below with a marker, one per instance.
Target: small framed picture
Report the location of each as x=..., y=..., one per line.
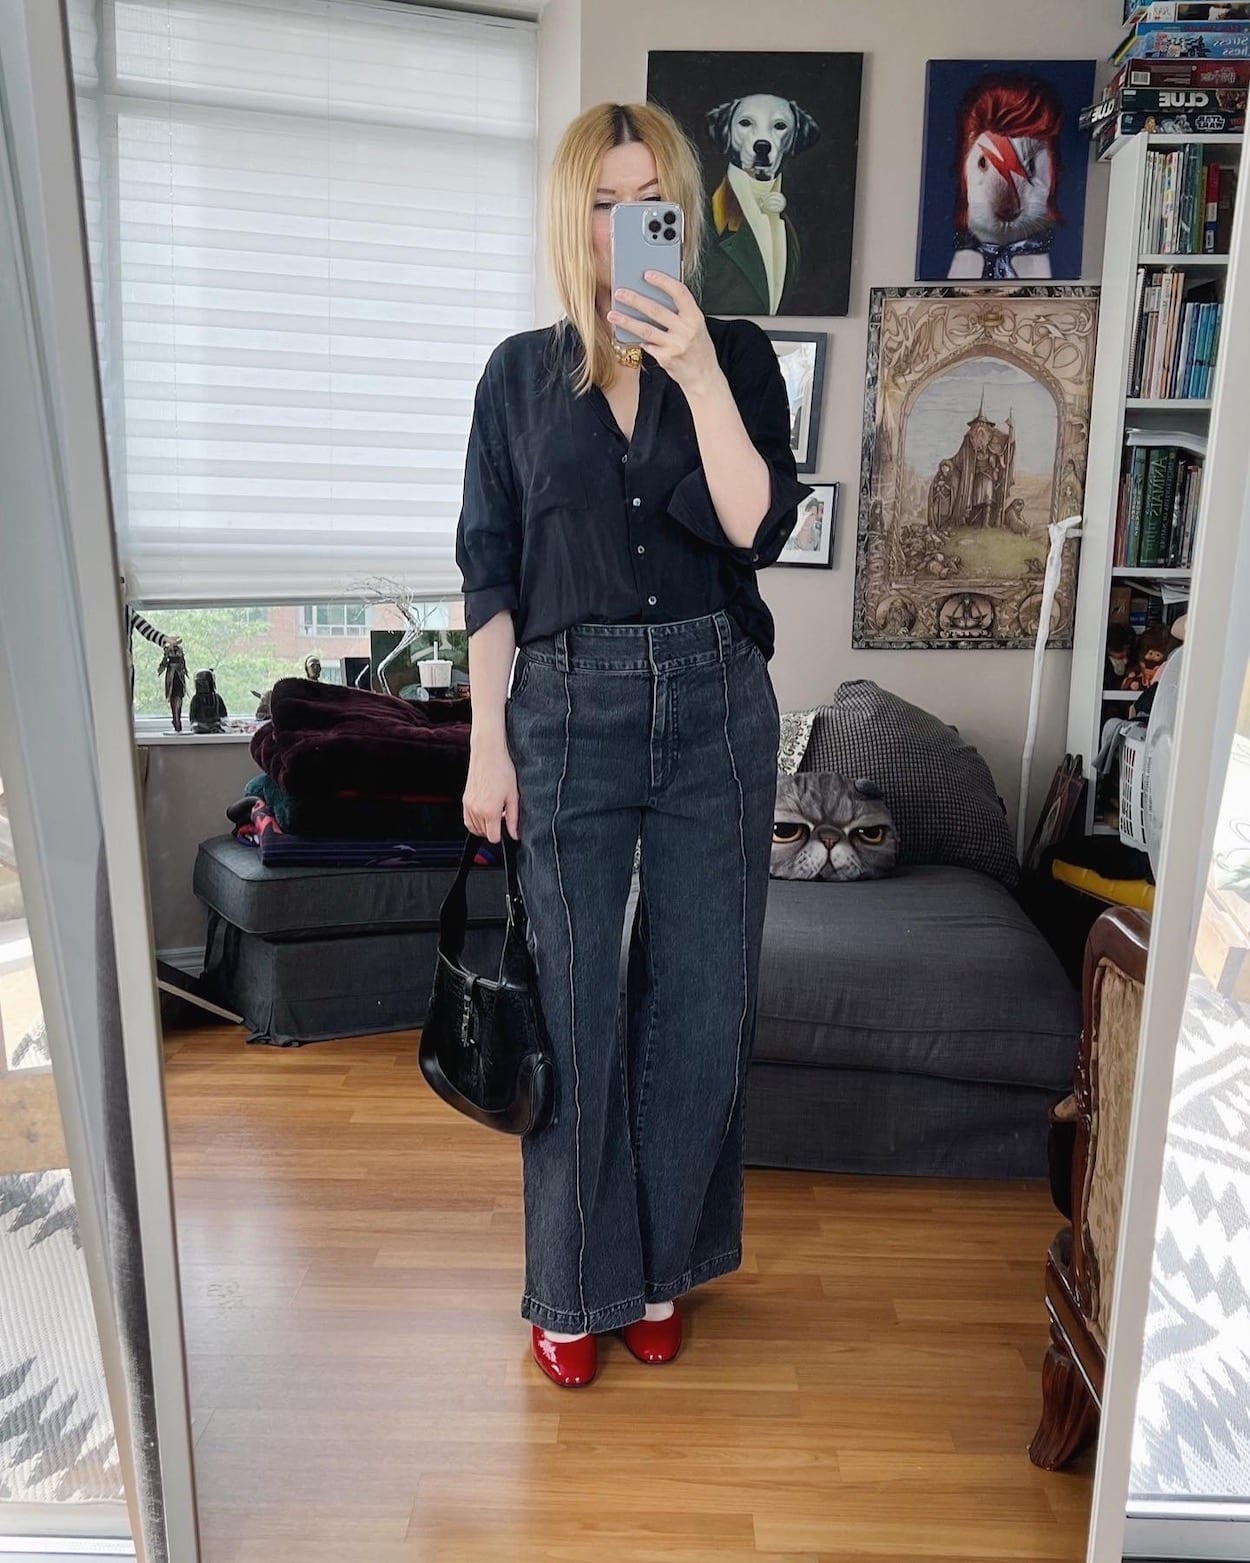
x=811, y=542
x=801, y=355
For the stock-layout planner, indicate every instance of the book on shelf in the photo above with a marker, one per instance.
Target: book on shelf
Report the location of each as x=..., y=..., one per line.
x=1180, y=73
x=1220, y=40
x=1186, y=203
x=1157, y=509
x=1186, y=11
x=1176, y=336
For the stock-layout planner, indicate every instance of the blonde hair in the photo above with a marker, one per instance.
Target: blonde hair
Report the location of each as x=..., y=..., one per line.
x=571, y=187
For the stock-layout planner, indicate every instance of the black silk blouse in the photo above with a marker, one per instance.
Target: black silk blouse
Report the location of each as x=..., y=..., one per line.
x=564, y=522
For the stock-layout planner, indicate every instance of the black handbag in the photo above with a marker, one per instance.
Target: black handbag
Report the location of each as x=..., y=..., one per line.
x=484, y=1047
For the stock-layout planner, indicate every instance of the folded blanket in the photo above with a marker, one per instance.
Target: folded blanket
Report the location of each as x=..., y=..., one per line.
x=323, y=739
x=277, y=849
x=352, y=816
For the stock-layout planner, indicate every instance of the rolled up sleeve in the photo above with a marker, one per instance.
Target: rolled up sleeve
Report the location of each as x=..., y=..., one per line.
x=759, y=390
x=488, y=534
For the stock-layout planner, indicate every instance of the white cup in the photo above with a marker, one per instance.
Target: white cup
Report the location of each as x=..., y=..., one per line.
x=435, y=673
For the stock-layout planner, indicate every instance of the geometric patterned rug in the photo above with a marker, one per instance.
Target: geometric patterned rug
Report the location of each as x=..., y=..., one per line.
x=56, y=1430
x=1192, y=1435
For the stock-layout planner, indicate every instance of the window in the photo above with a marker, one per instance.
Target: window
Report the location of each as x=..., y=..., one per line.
x=309, y=222
x=335, y=618
x=250, y=648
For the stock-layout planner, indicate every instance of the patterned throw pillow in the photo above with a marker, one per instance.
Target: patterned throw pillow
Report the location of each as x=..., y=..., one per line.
x=938, y=788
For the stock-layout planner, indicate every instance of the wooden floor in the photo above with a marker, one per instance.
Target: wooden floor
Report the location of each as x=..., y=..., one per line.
x=862, y=1389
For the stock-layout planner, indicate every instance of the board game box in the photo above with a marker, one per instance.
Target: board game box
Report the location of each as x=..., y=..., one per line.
x=1186, y=11
x=1185, y=41
x=1166, y=101
x=1115, y=125
x=1180, y=73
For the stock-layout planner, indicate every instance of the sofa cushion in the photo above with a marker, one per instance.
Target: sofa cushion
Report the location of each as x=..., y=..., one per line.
x=301, y=902
x=935, y=971
x=938, y=788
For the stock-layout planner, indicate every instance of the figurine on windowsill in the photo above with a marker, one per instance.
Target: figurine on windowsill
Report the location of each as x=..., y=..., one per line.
x=312, y=667
x=207, y=707
x=173, y=665
x=137, y=624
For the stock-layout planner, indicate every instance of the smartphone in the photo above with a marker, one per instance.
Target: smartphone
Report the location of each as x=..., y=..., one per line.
x=646, y=236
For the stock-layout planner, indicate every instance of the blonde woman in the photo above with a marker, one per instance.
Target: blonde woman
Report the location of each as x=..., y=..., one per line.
x=618, y=506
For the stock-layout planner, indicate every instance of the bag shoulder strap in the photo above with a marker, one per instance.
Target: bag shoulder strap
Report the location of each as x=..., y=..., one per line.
x=454, y=915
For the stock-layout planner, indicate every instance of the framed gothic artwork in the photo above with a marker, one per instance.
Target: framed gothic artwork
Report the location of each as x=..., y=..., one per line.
x=976, y=424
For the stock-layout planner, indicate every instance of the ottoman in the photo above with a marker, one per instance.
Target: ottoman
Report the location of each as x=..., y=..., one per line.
x=311, y=953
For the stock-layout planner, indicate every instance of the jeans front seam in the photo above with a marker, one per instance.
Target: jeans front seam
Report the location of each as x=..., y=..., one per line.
x=742, y=848
x=622, y=1050
x=644, y=1072
x=568, y=914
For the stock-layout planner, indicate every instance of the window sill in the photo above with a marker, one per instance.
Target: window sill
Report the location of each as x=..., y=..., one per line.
x=191, y=740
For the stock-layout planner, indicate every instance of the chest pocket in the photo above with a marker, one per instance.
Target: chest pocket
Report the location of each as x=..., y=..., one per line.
x=550, y=467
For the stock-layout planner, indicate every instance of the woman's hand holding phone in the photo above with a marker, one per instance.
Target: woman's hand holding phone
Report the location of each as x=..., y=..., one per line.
x=678, y=340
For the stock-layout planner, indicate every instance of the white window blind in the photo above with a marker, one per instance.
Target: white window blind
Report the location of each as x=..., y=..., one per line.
x=309, y=222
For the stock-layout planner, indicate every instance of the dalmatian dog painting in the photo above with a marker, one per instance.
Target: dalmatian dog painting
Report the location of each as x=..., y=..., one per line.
x=758, y=135
x=777, y=136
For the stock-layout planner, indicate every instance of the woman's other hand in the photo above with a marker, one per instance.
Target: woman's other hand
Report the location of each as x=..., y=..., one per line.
x=679, y=340
x=490, y=793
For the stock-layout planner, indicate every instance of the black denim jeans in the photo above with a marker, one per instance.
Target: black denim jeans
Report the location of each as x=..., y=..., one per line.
x=665, y=734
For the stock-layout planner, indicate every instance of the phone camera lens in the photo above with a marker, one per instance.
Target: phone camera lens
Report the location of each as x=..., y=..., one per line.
x=654, y=225
x=670, y=218
x=670, y=234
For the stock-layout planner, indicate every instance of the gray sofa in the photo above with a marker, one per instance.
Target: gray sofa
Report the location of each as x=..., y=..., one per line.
x=915, y=1025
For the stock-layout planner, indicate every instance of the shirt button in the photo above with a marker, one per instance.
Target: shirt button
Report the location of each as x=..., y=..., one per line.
x=625, y=458
x=636, y=503
x=651, y=600
x=641, y=549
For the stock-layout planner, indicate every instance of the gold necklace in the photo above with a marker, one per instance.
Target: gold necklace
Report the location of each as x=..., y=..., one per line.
x=629, y=354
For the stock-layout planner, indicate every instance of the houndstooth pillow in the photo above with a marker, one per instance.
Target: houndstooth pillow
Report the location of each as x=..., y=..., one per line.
x=938, y=788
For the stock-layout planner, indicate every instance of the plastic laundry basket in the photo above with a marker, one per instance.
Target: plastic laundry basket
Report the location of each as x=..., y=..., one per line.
x=1134, y=779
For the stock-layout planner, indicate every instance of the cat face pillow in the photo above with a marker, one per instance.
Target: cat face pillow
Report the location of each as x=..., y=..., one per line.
x=826, y=827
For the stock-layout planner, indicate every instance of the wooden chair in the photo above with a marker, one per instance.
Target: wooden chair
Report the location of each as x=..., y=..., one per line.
x=1094, y=1120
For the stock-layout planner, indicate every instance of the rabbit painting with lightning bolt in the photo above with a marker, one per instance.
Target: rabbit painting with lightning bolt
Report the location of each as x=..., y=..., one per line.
x=1007, y=179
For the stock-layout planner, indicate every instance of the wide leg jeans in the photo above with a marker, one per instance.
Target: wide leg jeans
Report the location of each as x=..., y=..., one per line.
x=660, y=739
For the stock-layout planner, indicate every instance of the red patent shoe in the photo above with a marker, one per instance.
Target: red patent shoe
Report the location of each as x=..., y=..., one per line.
x=654, y=1340
x=569, y=1363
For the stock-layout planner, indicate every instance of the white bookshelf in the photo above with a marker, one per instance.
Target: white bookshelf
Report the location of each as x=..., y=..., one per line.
x=1112, y=412
x=1168, y=404
x=1189, y=262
